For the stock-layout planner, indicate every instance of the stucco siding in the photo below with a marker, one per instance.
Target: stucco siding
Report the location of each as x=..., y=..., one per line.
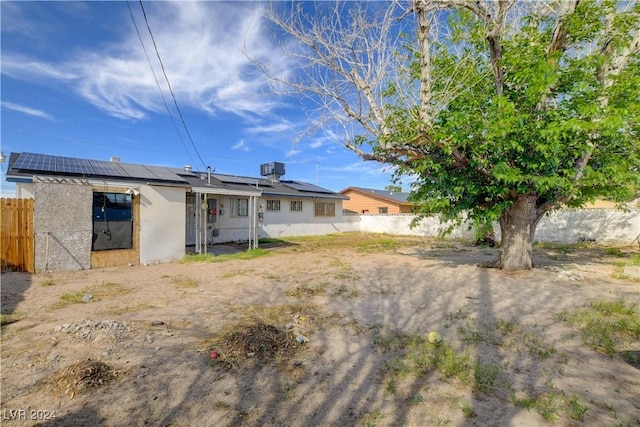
x=286, y=223
x=62, y=223
x=162, y=223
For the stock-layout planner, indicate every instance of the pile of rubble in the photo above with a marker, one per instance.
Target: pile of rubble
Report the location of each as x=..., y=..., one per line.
x=90, y=330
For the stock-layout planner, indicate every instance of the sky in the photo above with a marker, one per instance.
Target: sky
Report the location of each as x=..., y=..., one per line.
x=77, y=81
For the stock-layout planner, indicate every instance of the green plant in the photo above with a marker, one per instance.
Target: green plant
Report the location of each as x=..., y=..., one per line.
x=575, y=409
x=546, y=404
x=244, y=255
x=307, y=290
x=485, y=376
x=468, y=411
x=371, y=419
x=184, y=282
x=6, y=319
x=603, y=324
x=416, y=399
x=48, y=282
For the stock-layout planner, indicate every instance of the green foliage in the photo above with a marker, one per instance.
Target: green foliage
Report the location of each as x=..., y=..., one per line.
x=604, y=325
x=555, y=110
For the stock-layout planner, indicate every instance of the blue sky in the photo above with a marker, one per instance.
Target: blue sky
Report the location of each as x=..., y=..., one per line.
x=76, y=82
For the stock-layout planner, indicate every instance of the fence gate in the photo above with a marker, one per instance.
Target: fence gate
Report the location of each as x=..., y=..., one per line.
x=17, y=239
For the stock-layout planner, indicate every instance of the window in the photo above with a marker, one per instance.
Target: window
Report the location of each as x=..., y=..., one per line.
x=273, y=205
x=296, y=206
x=383, y=210
x=239, y=207
x=112, y=221
x=325, y=209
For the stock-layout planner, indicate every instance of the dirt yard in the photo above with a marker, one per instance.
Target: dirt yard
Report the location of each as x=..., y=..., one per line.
x=327, y=331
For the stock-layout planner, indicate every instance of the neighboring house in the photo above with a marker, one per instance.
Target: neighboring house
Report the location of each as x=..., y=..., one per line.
x=371, y=201
x=93, y=213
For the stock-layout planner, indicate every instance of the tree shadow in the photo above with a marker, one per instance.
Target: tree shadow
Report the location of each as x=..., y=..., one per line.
x=14, y=286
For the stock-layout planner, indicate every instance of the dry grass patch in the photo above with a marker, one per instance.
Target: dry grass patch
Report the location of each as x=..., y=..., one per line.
x=92, y=294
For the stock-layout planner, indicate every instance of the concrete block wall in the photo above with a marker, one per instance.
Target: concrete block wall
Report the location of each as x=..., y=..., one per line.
x=605, y=226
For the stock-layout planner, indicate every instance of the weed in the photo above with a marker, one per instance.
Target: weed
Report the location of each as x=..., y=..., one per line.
x=6, y=319
x=344, y=290
x=575, y=409
x=390, y=386
x=219, y=405
x=485, y=376
x=250, y=254
x=184, y=282
x=613, y=252
x=537, y=347
x=371, y=419
x=416, y=399
x=439, y=421
x=48, y=282
x=468, y=411
x=604, y=324
x=235, y=273
x=505, y=327
x=307, y=290
x=545, y=404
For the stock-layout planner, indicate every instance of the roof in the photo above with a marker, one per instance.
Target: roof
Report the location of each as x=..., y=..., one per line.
x=391, y=196
x=24, y=166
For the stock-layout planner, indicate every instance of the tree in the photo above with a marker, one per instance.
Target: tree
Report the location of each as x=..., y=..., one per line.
x=500, y=110
x=393, y=188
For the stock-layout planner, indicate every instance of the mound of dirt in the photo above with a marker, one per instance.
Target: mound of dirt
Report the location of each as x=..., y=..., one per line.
x=258, y=343
x=80, y=377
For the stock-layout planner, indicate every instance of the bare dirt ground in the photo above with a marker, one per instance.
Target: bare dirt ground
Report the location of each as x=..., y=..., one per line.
x=323, y=331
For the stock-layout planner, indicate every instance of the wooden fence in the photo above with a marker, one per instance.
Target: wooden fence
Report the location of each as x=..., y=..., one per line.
x=17, y=239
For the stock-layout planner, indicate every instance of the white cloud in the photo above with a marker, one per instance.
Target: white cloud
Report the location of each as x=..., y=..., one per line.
x=26, y=110
x=272, y=128
x=293, y=152
x=240, y=145
x=200, y=46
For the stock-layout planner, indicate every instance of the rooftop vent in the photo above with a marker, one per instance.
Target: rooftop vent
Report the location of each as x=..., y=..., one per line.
x=187, y=168
x=115, y=159
x=273, y=170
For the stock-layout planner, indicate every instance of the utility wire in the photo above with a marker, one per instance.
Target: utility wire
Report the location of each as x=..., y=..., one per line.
x=169, y=84
x=158, y=84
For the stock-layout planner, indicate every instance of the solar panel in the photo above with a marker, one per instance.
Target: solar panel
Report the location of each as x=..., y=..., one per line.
x=104, y=168
x=164, y=173
x=39, y=162
x=231, y=179
x=137, y=171
x=307, y=188
x=71, y=165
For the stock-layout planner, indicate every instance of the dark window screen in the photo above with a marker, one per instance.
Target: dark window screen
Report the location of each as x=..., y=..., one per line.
x=112, y=221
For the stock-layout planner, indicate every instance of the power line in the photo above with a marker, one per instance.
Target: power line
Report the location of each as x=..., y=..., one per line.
x=169, y=85
x=158, y=84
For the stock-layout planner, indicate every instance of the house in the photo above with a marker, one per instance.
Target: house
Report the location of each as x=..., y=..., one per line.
x=371, y=201
x=95, y=213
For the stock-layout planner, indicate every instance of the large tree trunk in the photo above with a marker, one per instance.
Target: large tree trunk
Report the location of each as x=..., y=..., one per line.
x=517, y=228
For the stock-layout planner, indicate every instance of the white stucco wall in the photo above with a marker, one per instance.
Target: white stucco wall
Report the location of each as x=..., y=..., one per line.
x=607, y=226
x=286, y=223
x=400, y=224
x=162, y=224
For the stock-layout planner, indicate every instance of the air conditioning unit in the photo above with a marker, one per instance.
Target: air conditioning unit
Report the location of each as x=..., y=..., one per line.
x=274, y=170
